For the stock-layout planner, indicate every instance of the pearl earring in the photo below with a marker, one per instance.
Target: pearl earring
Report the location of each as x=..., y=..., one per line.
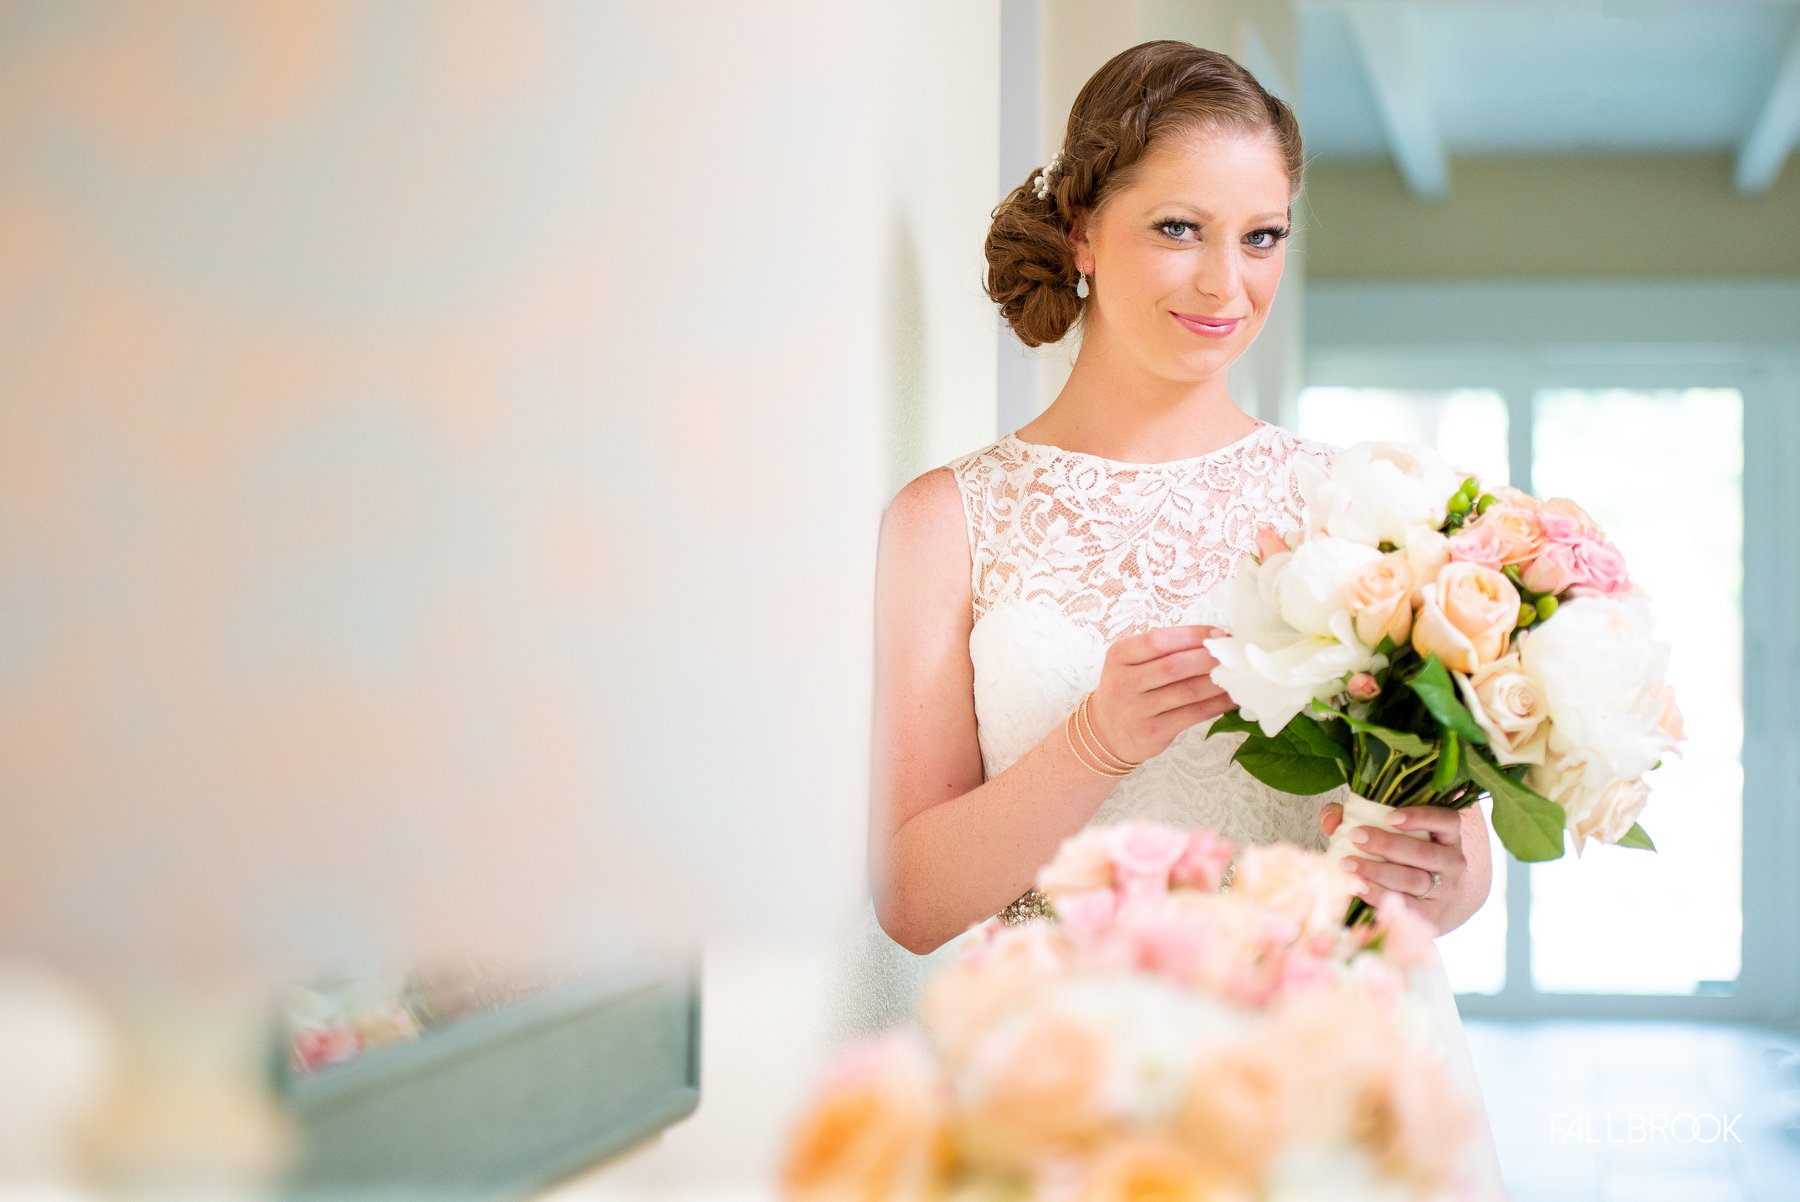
x=1081, y=288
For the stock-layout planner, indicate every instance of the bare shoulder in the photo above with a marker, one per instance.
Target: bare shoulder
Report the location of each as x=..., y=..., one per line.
x=928, y=506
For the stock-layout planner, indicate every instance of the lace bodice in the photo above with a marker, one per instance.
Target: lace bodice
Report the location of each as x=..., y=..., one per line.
x=1070, y=552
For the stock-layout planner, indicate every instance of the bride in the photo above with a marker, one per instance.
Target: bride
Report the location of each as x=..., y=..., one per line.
x=1041, y=603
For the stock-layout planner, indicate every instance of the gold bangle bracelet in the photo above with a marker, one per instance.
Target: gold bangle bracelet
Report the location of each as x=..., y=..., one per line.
x=1068, y=733
x=1111, y=760
x=1094, y=753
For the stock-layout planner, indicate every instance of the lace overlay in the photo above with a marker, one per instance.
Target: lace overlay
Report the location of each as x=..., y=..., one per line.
x=1069, y=552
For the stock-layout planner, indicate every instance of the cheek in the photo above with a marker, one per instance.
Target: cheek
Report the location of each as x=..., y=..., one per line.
x=1262, y=278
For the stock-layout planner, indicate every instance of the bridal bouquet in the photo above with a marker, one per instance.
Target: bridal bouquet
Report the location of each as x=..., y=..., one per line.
x=1426, y=641
x=1157, y=1037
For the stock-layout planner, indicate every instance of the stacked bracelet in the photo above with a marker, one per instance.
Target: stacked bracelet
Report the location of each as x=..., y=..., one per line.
x=1080, y=724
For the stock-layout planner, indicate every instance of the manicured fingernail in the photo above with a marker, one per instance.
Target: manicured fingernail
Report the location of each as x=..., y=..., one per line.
x=1350, y=864
x=1400, y=819
x=1360, y=837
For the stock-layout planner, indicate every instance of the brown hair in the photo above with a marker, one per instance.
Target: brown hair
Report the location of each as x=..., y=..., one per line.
x=1140, y=95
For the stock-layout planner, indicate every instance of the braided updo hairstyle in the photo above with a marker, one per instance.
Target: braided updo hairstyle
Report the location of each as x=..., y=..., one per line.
x=1139, y=96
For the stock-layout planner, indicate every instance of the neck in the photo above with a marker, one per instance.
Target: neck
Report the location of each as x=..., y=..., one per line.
x=1111, y=407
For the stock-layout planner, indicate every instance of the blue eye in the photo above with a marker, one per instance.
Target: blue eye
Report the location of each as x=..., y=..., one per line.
x=1267, y=238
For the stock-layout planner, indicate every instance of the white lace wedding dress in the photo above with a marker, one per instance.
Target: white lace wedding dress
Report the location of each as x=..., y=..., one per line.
x=1070, y=552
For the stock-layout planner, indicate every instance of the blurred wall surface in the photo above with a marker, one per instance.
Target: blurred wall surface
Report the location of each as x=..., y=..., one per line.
x=441, y=454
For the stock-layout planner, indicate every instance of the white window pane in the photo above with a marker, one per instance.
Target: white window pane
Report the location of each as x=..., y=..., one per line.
x=1662, y=472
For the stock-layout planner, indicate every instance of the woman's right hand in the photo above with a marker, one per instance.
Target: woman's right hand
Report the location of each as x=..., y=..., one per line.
x=1153, y=686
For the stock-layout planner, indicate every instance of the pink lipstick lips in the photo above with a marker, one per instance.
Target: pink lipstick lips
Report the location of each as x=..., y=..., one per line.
x=1207, y=327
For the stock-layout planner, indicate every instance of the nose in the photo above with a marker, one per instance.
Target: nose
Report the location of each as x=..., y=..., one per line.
x=1216, y=274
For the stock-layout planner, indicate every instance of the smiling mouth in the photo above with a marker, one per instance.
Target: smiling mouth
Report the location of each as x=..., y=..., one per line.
x=1213, y=327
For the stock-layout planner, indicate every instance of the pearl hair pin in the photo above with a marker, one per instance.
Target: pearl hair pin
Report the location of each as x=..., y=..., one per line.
x=1040, y=183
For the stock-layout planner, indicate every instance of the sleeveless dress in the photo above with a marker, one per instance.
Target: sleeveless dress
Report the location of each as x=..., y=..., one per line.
x=1069, y=552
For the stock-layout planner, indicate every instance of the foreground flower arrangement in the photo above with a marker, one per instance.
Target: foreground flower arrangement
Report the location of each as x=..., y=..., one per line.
x=1427, y=641
x=1159, y=1037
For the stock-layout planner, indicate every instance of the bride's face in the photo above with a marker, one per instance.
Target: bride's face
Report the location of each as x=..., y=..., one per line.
x=1201, y=234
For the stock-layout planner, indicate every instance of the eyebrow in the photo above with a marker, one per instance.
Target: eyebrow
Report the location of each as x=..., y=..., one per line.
x=1206, y=215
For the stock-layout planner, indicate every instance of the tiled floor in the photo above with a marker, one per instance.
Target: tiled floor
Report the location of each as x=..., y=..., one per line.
x=1642, y=1112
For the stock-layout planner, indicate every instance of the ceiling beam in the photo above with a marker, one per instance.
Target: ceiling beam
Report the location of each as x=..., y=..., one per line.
x=1771, y=138
x=1392, y=45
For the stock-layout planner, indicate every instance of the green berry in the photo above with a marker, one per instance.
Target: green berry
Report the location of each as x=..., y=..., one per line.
x=1527, y=613
x=1486, y=502
x=1546, y=605
x=1459, y=504
x=1471, y=488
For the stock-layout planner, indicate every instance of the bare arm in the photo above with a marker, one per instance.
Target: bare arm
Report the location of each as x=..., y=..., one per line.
x=946, y=849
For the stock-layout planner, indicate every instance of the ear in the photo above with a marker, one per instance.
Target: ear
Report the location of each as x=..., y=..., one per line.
x=1078, y=242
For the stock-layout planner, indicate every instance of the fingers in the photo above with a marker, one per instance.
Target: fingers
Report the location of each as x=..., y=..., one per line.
x=1180, y=665
x=1402, y=849
x=1442, y=823
x=1331, y=817
x=1183, y=692
x=1179, y=719
x=1400, y=878
x=1154, y=644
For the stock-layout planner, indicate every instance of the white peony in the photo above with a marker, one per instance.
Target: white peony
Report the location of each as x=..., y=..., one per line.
x=1600, y=674
x=1596, y=804
x=1293, y=638
x=1378, y=492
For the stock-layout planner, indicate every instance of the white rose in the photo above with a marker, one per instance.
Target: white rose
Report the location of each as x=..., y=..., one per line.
x=1509, y=709
x=1427, y=553
x=1378, y=492
x=1292, y=636
x=1600, y=675
x=1596, y=804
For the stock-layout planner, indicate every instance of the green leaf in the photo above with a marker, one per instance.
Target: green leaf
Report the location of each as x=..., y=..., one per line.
x=1301, y=758
x=1233, y=722
x=1443, y=777
x=1288, y=772
x=1636, y=837
x=1397, y=740
x=1435, y=688
x=1529, y=824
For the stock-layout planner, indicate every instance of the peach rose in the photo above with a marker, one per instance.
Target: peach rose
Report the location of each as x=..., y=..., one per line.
x=1236, y=1112
x=1363, y=687
x=1038, y=1088
x=982, y=986
x=1517, y=529
x=1144, y=1167
x=1468, y=614
x=1380, y=597
x=1480, y=544
x=1508, y=706
x=1563, y=521
x=878, y=1128
x=1083, y=861
x=1300, y=884
x=1514, y=498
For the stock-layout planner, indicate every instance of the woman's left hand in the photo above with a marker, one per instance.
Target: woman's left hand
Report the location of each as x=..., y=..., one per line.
x=1407, y=862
